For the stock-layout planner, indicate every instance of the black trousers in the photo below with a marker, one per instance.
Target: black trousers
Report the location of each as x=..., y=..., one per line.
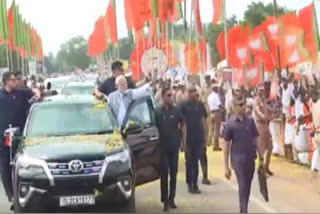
x=244, y=168
x=192, y=155
x=169, y=163
x=204, y=164
x=6, y=171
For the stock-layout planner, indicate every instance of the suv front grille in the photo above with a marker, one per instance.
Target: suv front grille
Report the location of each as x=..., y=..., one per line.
x=63, y=169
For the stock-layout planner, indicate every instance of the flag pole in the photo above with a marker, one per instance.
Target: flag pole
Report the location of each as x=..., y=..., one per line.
x=11, y=61
x=275, y=7
x=225, y=28
x=7, y=55
x=190, y=33
x=172, y=41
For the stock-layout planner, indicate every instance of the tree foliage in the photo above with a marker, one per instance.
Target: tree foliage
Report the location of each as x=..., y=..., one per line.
x=257, y=12
x=49, y=63
x=72, y=54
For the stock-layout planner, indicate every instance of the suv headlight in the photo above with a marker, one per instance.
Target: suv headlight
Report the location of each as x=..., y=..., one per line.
x=122, y=157
x=30, y=167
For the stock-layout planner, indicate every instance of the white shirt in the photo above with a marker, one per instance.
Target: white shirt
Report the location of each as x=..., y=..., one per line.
x=132, y=94
x=214, y=101
x=287, y=94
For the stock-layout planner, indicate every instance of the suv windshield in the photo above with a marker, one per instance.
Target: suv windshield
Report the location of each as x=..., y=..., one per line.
x=69, y=119
x=74, y=90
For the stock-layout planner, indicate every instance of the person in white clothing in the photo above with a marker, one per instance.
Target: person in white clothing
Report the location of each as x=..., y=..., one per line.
x=120, y=100
x=214, y=104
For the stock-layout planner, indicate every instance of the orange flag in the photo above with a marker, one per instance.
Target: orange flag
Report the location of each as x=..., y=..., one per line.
x=307, y=17
x=197, y=15
x=238, y=38
x=217, y=10
x=221, y=46
x=111, y=23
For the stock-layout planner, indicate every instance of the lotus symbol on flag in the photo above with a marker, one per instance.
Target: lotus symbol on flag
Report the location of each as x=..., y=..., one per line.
x=242, y=53
x=273, y=29
x=291, y=40
x=255, y=44
x=252, y=73
x=294, y=58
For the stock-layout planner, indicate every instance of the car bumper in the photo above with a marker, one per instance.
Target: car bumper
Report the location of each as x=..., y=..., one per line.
x=116, y=188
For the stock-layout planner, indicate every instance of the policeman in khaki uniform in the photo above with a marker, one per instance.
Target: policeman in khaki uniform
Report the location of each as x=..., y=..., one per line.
x=262, y=117
x=205, y=92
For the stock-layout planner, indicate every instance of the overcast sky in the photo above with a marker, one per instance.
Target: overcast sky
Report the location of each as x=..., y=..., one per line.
x=60, y=20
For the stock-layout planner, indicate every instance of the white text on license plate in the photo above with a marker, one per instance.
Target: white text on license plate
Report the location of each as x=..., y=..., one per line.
x=77, y=200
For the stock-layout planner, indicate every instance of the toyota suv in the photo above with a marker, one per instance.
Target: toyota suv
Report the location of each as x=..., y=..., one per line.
x=72, y=154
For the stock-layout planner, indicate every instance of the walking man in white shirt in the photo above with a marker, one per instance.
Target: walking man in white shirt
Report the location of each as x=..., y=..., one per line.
x=215, y=107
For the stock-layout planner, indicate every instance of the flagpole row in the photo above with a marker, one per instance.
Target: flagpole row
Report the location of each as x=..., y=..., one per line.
x=7, y=56
x=225, y=28
x=190, y=34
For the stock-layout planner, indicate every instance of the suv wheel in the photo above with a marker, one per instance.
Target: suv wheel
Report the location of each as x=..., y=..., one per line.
x=16, y=205
x=130, y=204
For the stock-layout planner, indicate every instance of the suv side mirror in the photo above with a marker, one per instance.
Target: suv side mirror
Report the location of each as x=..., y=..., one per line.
x=132, y=127
x=16, y=136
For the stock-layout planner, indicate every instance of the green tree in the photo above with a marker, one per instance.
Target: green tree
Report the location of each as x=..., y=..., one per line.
x=72, y=54
x=257, y=12
x=49, y=63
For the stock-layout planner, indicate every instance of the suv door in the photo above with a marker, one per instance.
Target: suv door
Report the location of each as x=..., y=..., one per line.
x=144, y=144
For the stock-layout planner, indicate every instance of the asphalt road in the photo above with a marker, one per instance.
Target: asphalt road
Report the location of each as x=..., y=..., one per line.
x=293, y=189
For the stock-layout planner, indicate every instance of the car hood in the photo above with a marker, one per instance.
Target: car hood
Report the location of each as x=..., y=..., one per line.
x=86, y=147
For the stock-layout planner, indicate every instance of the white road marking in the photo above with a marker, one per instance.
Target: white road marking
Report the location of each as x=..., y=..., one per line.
x=253, y=199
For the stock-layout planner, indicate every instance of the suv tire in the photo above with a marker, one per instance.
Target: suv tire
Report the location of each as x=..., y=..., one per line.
x=130, y=204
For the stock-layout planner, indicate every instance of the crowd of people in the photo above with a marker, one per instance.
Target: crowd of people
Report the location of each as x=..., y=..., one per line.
x=244, y=124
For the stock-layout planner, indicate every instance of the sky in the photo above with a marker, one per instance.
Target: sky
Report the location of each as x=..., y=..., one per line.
x=59, y=20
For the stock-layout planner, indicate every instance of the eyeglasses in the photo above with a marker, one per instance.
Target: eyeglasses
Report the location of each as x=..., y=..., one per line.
x=12, y=79
x=169, y=95
x=192, y=91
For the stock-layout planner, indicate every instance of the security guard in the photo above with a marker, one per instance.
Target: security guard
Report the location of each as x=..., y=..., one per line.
x=14, y=106
x=241, y=132
x=195, y=115
x=170, y=123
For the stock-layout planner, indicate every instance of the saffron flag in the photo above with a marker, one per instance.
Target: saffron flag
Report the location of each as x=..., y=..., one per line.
x=111, y=22
x=307, y=17
x=217, y=10
x=197, y=16
x=221, y=46
x=238, y=49
x=137, y=13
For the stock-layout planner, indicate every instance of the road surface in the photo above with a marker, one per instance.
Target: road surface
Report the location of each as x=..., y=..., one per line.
x=293, y=189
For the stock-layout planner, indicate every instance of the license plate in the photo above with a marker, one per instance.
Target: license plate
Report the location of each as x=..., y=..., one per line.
x=77, y=200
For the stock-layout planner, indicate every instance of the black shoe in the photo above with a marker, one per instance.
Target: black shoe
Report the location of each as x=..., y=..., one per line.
x=12, y=207
x=195, y=190
x=190, y=188
x=166, y=207
x=172, y=205
x=206, y=182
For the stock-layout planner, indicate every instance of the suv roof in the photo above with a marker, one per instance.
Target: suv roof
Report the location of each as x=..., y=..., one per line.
x=70, y=99
x=80, y=84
